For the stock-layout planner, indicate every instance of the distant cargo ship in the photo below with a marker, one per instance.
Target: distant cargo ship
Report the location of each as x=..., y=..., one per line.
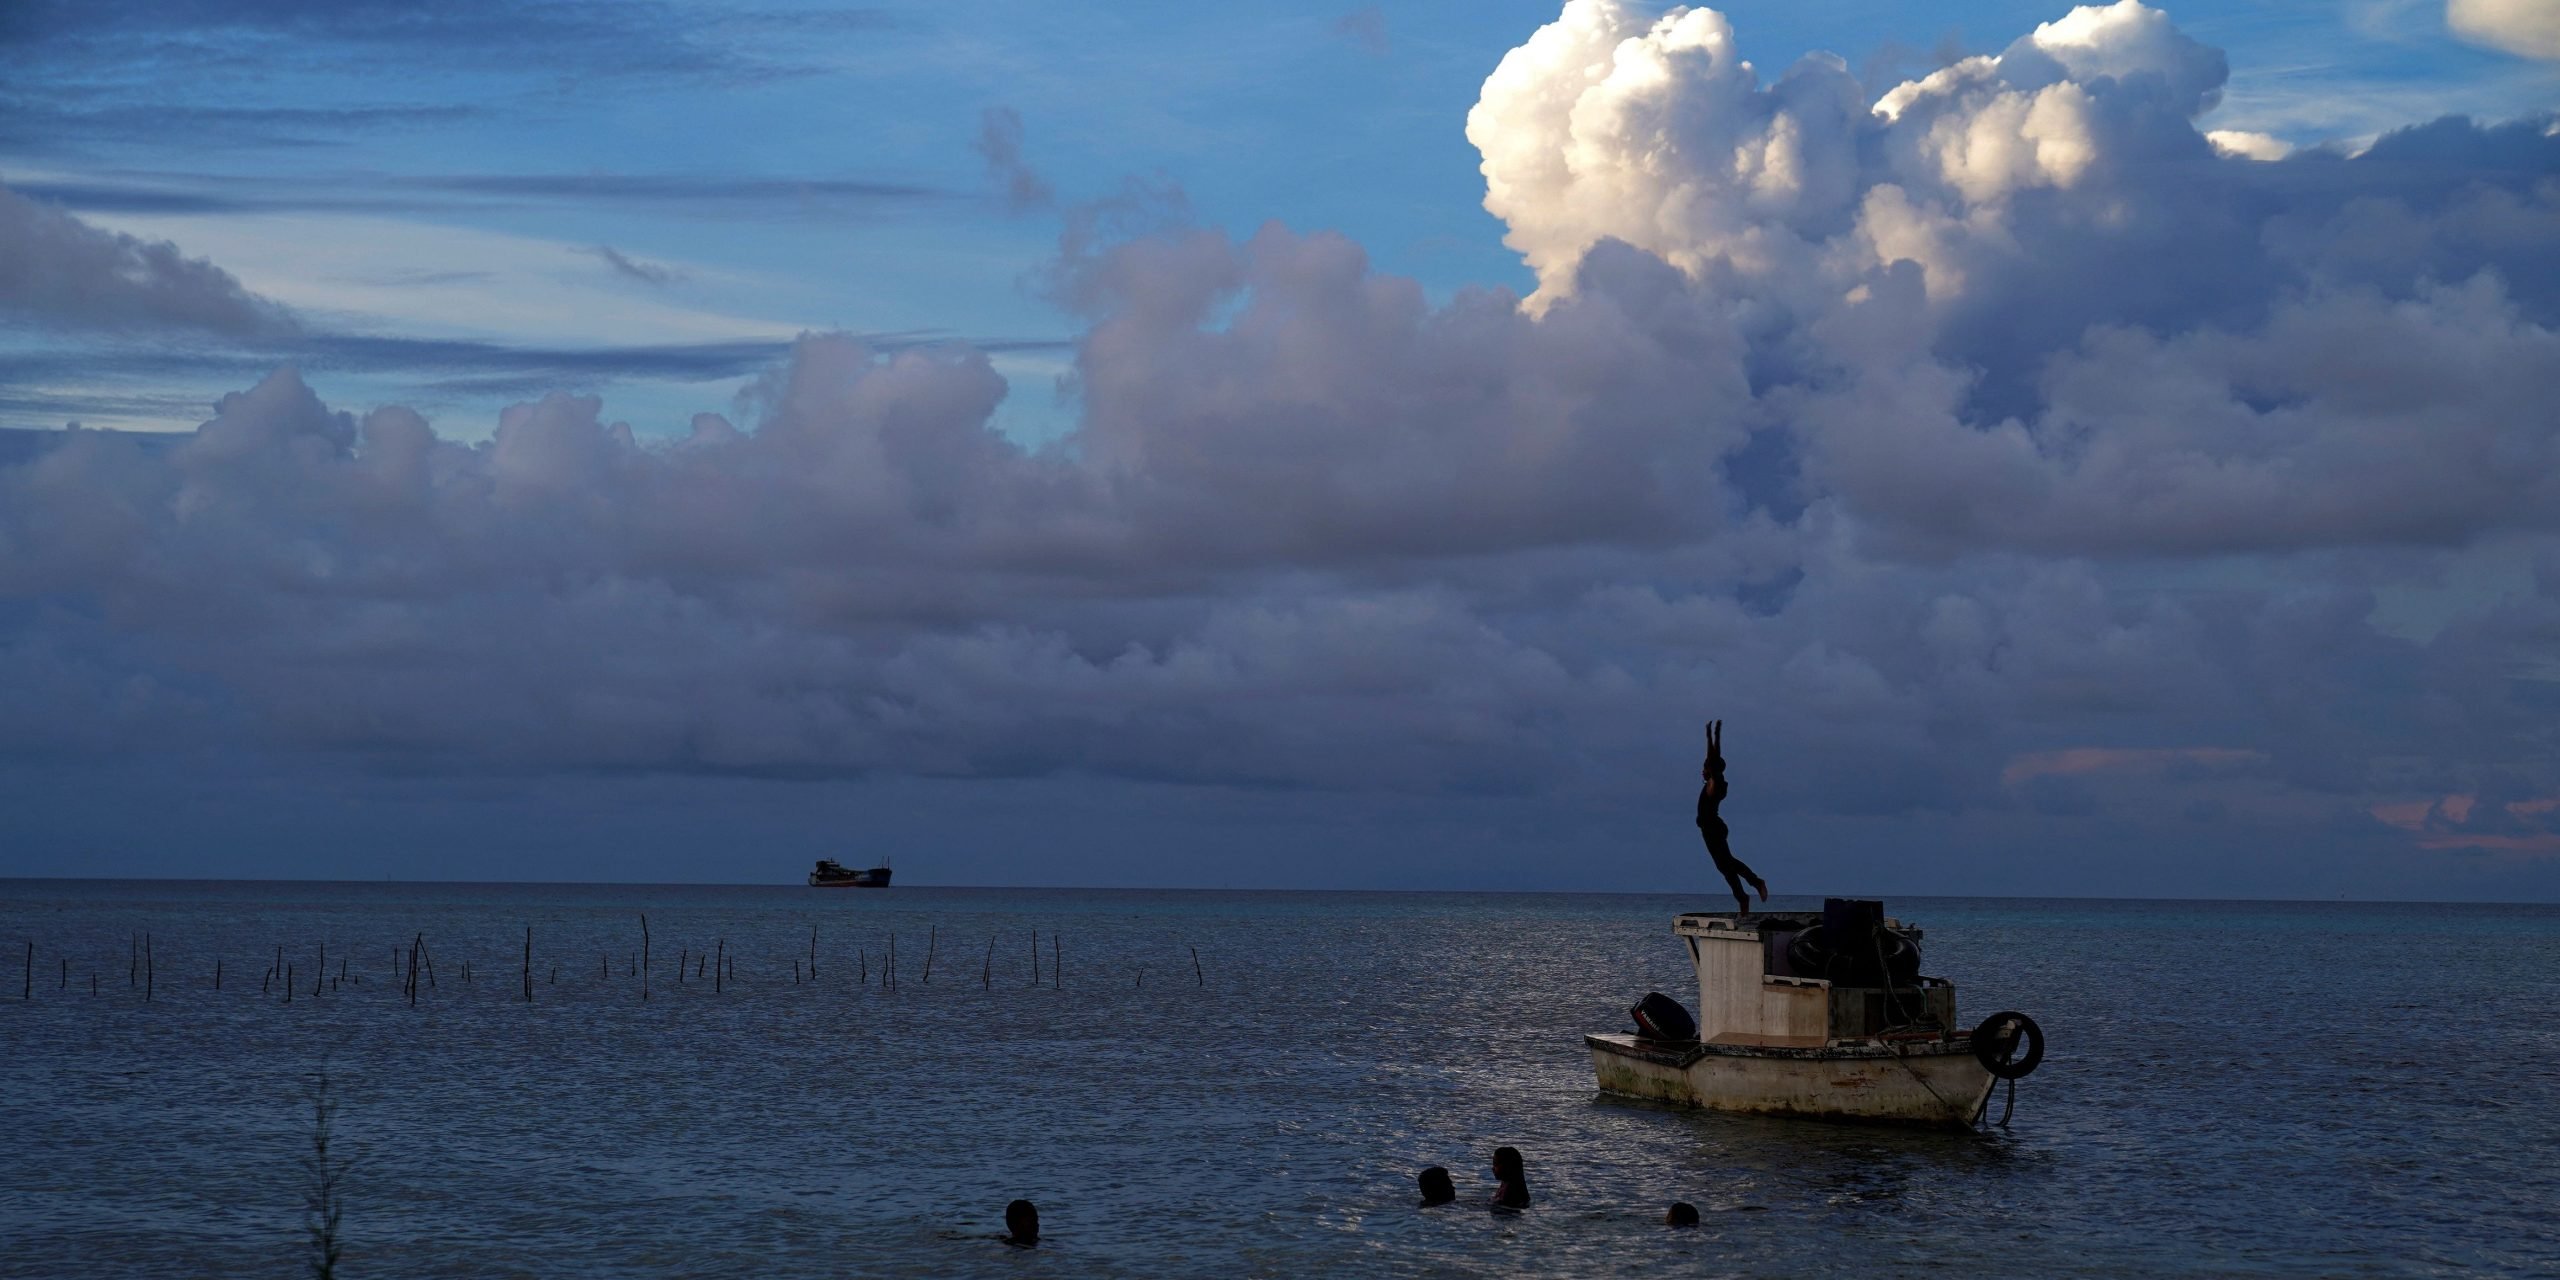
x=835, y=875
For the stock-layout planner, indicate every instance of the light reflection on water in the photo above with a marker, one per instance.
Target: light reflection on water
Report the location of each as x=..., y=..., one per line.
x=2241, y=1088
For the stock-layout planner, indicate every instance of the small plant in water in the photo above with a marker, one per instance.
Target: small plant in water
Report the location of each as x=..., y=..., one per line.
x=324, y=1175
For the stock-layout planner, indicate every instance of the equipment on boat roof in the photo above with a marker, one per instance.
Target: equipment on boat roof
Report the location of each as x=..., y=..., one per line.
x=1852, y=946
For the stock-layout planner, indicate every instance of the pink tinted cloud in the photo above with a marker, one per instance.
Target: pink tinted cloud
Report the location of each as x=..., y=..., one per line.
x=2072, y=762
x=2437, y=823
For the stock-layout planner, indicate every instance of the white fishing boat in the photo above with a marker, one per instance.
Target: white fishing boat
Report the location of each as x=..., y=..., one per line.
x=1821, y=1014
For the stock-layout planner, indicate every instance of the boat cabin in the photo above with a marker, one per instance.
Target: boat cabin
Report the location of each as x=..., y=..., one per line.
x=1766, y=978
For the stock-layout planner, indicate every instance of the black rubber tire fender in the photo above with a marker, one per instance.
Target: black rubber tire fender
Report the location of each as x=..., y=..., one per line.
x=2016, y=1065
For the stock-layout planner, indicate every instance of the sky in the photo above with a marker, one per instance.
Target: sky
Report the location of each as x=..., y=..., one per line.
x=2099, y=451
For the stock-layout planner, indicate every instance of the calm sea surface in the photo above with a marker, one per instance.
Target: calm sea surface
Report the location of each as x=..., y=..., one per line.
x=2232, y=1088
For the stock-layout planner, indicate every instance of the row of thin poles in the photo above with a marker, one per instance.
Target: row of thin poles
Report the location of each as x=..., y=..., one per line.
x=419, y=963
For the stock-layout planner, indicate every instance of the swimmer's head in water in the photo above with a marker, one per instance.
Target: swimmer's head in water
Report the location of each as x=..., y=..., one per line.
x=1506, y=1164
x=1682, y=1214
x=1436, y=1186
x=1022, y=1223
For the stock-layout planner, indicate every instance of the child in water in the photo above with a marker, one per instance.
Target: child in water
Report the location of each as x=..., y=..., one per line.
x=1511, y=1180
x=1022, y=1224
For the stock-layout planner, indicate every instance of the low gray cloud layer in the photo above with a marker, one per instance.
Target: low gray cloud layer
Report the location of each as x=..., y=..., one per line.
x=58, y=270
x=2004, y=457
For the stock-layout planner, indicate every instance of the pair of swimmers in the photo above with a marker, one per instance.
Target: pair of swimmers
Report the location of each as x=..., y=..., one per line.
x=1510, y=1182
x=1511, y=1189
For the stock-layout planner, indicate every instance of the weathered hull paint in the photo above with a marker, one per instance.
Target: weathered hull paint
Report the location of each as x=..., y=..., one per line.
x=1933, y=1082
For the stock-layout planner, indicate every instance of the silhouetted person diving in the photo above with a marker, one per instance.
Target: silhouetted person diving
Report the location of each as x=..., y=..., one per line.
x=1711, y=826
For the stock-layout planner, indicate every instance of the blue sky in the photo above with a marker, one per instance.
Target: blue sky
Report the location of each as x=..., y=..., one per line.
x=2079, y=451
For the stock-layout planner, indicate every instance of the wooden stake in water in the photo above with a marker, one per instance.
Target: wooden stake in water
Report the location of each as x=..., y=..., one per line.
x=528, y=964
x=288, y=984
x=863, y=978
x=719, y=966
x=1035, y=957
x=683, y=956
x=1196, y=979
x=217, y=973
x=987, y=975
x=933, y=935
x=1057, y=982
x=644, y=955
x=813, y=953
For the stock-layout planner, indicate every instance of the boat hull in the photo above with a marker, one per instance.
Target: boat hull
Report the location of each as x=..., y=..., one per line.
x=876, y=878
x=1933, y=1082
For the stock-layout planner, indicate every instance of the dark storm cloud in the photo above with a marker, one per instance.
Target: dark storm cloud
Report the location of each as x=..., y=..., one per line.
x=1776, y=441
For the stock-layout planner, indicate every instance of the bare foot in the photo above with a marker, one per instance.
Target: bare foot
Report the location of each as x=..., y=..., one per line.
x=1763, y=887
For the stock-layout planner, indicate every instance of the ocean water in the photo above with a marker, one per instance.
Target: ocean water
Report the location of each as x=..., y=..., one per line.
x=2249, y=1088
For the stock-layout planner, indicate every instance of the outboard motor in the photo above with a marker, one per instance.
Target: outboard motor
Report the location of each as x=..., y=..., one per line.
x=1659, y=1017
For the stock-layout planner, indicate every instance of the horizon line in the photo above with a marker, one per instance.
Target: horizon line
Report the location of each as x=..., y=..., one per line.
x=1609, y=893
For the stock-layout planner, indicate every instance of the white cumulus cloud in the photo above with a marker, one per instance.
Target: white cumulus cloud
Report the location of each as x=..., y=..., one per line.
x=2530, y=28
